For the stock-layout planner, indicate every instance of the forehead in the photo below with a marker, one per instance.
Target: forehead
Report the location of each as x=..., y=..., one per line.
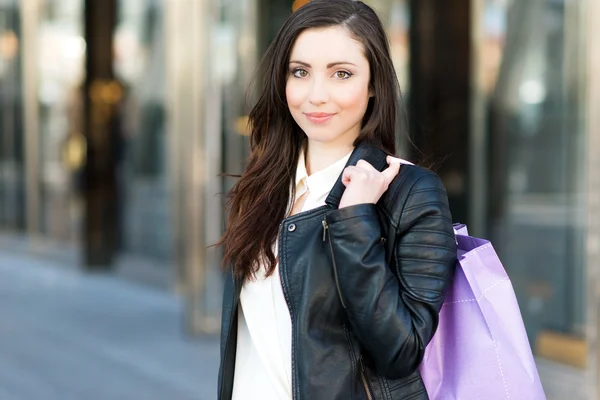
x=324, y=45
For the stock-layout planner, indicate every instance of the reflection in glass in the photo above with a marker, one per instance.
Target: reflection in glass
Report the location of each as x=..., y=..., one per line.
x=12, y=188
x=140, y=66
x=396, y=19
x=61, y=57
x=536, y=181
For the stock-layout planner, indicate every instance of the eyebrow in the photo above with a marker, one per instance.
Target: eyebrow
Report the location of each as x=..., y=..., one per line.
x=330, y=65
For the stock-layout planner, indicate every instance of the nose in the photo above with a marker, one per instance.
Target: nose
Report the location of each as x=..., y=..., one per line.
x=318, y=92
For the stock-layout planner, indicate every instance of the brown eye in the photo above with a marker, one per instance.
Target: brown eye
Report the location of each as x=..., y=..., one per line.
x=300, y=73
x=342, y=75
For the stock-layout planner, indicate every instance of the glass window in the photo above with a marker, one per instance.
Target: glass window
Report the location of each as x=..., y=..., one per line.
x=60, y=58
x=12, y=188
x=140, y=66
x=395, y=15
x=531, y=78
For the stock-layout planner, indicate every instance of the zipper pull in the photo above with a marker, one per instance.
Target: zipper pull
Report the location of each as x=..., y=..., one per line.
x=325, y=227
x=362, y=365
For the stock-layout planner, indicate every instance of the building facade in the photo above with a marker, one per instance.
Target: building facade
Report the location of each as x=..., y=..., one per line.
x=113, y=150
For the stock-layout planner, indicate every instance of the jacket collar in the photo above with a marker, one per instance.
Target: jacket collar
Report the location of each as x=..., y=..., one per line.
x=371, y=154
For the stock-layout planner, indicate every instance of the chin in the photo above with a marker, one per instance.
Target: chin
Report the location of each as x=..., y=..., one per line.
x=322, y=136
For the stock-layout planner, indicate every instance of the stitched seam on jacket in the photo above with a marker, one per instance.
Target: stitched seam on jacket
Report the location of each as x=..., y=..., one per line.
x=395, y=196
x=441, y=216
x=417, y=191
x=388, y=215
x=420, y=260
x=351, y=218
x=400, y=277
x=433, y=292
x=315, y=212
x=434, y=232
x=412, y=396
x=427, y=246
x=400, y=184
x=399, y=225
x=427, y=276
x=408, y=382
x=429, y=203
x=386, y=389
x=416, y=296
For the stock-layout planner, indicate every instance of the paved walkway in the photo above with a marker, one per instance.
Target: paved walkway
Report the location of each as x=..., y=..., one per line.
x=69, y=335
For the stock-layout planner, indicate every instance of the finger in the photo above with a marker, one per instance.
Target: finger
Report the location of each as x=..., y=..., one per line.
x=390, y=172
x=391, y=159
x=347, y=174
x=354, y=173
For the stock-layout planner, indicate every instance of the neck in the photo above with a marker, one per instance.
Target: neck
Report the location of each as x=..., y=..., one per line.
x=321, y=155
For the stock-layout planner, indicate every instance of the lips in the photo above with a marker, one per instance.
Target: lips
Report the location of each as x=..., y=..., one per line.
x=319, y=118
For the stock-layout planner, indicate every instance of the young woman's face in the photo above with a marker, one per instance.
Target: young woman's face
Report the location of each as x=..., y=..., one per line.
x=327, y=87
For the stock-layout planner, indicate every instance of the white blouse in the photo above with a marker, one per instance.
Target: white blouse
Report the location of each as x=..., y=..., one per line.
x=263, y=364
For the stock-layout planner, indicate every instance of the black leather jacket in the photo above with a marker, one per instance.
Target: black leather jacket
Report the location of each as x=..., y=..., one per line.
x=364, y=285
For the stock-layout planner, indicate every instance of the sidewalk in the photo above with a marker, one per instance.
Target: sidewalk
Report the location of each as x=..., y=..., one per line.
x=69, y=335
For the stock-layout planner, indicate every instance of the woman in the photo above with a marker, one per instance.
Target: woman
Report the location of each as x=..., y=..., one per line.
x=337, y=260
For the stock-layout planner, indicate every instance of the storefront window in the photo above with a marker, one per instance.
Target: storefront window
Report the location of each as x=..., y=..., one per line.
x=396, y=19
x=60, y=63
x=12, y=188
x=395, y=15
x=140, y=66
x=536, y=139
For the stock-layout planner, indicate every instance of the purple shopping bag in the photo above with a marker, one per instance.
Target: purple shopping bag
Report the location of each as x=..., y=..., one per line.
x=480, y=350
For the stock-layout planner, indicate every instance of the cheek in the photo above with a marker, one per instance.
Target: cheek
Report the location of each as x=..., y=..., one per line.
x=355, y=98
x=293, y=94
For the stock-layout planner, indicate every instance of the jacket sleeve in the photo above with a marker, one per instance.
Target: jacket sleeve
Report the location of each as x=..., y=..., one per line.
x=394, y=315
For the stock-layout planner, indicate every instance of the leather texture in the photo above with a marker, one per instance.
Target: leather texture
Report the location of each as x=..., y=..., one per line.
x=364, y=286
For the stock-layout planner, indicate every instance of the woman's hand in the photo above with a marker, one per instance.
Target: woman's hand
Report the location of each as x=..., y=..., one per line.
x=365, y=184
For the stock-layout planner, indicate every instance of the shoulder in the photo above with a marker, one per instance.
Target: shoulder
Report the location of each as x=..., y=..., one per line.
x=411, y=178
x=415, y=185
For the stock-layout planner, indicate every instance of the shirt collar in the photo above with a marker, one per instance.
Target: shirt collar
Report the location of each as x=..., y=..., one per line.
x=321, y=182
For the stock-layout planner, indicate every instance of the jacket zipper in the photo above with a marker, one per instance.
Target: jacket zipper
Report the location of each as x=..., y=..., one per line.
x=335, y=272
x=364, y=379
x=360, y=362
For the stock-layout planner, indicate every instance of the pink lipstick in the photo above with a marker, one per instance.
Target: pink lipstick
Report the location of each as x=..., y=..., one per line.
x=319, y=118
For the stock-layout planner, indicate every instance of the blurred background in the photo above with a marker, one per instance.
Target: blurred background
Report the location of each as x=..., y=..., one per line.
x=117, y=118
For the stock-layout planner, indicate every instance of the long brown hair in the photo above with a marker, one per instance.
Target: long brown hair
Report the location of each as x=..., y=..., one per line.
x=259, y=200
